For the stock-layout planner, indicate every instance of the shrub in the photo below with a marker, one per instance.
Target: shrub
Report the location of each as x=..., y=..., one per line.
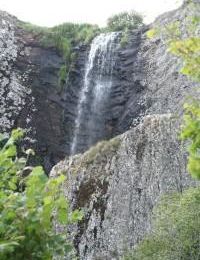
x=126, y=20
x=28, y=206
x=124, y=38
x=176, y=229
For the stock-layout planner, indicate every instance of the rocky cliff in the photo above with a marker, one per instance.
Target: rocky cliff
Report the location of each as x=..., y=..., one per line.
x=29, y=90
x=117, y=182
x=145, y=81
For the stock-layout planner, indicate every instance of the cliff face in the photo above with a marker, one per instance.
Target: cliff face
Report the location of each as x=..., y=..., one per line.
x=118, y=182
x=29, y=90
x=145, y=80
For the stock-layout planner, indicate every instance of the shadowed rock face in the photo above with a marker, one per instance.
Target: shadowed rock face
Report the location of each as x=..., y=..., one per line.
x=118, y=182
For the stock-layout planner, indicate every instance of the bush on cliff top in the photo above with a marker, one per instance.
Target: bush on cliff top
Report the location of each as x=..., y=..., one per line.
x=125, y=21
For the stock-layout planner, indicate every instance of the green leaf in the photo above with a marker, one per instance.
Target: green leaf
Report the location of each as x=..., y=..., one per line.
x=12, y=185
x=76, y=215
x=28, y=207
x=10, y=151
x=17, y=134
x=62, y=216
x=151, y=33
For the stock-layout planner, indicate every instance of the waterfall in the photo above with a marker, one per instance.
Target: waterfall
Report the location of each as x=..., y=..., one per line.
x=93, y=98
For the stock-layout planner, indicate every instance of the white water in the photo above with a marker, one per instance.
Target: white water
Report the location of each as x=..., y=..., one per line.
x=98, y=80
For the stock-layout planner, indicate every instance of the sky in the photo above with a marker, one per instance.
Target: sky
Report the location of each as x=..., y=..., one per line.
x=54, y=12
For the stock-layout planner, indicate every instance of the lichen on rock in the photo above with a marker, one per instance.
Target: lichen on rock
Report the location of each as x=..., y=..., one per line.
x=118, y=188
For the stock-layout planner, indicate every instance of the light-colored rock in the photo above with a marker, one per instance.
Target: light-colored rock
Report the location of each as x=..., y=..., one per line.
x=117, y=183
x=13, y=91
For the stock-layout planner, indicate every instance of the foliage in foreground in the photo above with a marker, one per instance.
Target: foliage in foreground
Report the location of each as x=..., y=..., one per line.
x=191, y=132
x=28, y=206
x=176, y=229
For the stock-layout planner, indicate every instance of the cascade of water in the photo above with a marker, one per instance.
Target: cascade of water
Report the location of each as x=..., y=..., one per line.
x=89, y=123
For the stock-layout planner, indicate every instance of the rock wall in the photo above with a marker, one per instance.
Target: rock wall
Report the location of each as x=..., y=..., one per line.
x=118, y=182
x=29, y=91
x=145, y=81
x=12, y=80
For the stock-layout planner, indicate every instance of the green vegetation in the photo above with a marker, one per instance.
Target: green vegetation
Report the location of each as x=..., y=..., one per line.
x=124, y=38
x=95, y=154
x=170, y=32
x=62, y=76
x=125, y=21
x=100, y=149
x=176, y=229
x=188, y=49
x=64, y=35
x=64, y=38
x=191, y=131
x=28, y=206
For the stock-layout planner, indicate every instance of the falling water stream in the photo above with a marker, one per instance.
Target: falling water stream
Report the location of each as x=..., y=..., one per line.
x=94, y=95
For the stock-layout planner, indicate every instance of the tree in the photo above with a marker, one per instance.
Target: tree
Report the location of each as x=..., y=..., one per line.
x=28, y=207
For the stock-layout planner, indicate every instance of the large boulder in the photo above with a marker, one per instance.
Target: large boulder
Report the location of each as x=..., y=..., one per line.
x=118, y=182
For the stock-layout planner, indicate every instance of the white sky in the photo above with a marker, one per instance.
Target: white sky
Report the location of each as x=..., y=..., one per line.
x=53, y=12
